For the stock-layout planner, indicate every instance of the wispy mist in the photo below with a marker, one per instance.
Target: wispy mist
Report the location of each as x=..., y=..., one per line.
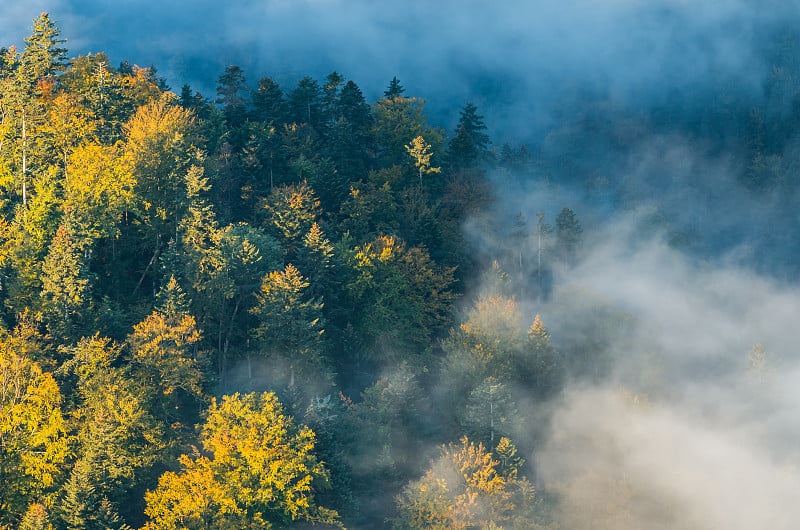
x=681, y=430
x=517, y=57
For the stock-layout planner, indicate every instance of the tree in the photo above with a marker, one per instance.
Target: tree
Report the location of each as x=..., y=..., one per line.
x=42, y=56
x=290, y=322
x=489, y=413
x=420, y=151
x=269, y=104
x=394, y=89
x=163, y=355
x=99, y=188
x=67, y=278
x=402, y=297
x=568, y=234
x=538, y=366
x=230, y=88
x=305, y=103
x=470, y=143
x=160, y=142
x=261, y=471
x=397, y=122
x=33, y=432
x=462, y=489
x=291, y=211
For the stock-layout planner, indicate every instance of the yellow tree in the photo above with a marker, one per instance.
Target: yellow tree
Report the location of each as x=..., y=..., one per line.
x=261, y=472
x=463, y=489
x=33, y=440
x=66, y=125
x=420, y=151
x=98, y=188
x=163, y=356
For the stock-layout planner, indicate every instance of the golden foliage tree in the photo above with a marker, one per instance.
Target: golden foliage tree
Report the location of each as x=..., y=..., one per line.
x=261, y=472
x=33, y=438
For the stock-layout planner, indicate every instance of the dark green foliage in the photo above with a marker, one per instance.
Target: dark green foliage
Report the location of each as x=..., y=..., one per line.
x=470, y=146
x=231, y=88
x=306, y=103
x=568, y=234
x=269, y=105
x=394, y=89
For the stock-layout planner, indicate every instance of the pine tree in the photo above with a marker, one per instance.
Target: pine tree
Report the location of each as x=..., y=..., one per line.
x=67, y=279
x=470, y=145
x=42, y=56
x=269, y=105
x=306, y=104
x=568, y=234
x=539, y=366
x=490, y=413
x=395, y=89
x=231, y=87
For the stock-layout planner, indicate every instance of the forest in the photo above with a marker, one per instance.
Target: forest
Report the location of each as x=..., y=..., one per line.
x=291, y=307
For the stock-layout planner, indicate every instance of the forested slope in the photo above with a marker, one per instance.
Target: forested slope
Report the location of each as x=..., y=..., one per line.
x=265, y=310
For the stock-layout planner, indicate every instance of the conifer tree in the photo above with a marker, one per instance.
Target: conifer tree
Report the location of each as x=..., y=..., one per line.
x=230, y=94
x=290, y=321
x=306, y=104
x=395, y=89
x=490, y=413
x=470, y=144
x=568, y=234
x=42, y=56
x=269, y=104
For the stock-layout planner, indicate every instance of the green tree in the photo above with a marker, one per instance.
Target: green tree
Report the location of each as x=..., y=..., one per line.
x=42, y=56
x=290, y=322
x=470, y=145
x=67, y=279
x=402, y=297
x=269, y=104
x=397, y=122
x=306, y=103
x=261, y=472
x=395, y=89
x=568, y=234
x=538, y=366
x=231, y=87
x=490, y=413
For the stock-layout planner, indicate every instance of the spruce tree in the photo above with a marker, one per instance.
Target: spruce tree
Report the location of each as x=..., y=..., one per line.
x=269, y=104
x=471, y=144
x=394, y=90
x=42, y=56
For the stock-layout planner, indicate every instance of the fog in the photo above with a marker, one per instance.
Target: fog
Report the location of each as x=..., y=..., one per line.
x=514, y=59
x=681, y=429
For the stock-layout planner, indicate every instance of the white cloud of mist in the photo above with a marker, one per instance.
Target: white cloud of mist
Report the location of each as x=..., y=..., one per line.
x=710, y=446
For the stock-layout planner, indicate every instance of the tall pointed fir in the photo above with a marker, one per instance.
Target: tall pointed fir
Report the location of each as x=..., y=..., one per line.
x=470, y=146
x=395, y=89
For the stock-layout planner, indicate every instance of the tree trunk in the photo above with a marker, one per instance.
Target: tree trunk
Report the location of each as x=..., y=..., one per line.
x=24, y=160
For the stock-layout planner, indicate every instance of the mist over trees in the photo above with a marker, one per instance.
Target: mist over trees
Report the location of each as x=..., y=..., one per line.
x=289, y=306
